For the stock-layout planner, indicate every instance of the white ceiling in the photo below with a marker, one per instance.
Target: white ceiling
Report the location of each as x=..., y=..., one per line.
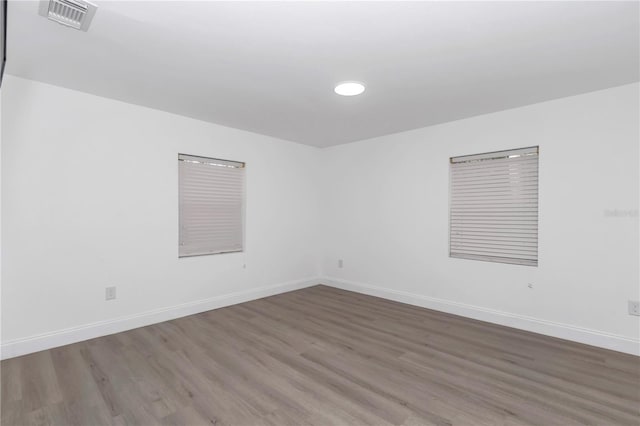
x=270, y=67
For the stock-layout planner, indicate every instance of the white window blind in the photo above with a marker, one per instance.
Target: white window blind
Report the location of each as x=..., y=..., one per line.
x=211, y=203
x=494, y=207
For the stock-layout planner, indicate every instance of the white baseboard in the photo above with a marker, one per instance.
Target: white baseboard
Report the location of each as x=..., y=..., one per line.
x=67, y=336
x=549, y=328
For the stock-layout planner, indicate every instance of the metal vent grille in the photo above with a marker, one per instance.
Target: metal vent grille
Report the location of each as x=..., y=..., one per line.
x=71, y=13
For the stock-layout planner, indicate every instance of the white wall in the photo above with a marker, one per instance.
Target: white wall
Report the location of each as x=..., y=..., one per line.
x=0, y=221
x=386, y=212
x=89, y=200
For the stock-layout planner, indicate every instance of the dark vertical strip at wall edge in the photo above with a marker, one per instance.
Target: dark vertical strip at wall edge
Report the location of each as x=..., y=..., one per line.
x=3, y=34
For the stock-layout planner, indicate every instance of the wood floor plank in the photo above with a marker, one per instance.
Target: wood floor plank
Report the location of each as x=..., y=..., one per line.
x=322, y=356
x=39, y=381
x=11, y=377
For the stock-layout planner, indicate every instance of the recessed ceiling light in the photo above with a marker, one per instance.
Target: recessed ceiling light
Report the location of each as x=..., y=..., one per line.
x=349, y=88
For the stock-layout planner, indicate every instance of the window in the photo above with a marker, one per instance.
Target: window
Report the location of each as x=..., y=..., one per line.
x=493, y=208
x=211, y=203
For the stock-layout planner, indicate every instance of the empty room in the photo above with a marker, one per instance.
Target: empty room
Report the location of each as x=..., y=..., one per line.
x=319, y=213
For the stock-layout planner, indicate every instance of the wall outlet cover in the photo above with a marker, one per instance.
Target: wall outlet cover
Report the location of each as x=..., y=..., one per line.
x=110, y=293
x=634, y=307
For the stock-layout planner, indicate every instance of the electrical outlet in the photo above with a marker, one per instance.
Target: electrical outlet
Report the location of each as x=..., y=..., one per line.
x=340, y=264
x=110, y=293
x=634, y=307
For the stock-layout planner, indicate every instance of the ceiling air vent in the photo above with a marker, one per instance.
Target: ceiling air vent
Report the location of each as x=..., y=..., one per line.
x=71, y=13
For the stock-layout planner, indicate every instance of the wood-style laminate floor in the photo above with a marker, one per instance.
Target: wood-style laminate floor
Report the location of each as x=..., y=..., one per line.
x=322, y=356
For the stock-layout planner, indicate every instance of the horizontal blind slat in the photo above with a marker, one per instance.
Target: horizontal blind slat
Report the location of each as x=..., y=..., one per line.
x=504, y=239
x=504, y=253
x=460, y=245
x=496, y=210
x=493, y=228
x=498, y=259
x=494, y=213
x=508, y=183
x=506, y=166
x=485, y=164
x=491, y=234
x=497, y=176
